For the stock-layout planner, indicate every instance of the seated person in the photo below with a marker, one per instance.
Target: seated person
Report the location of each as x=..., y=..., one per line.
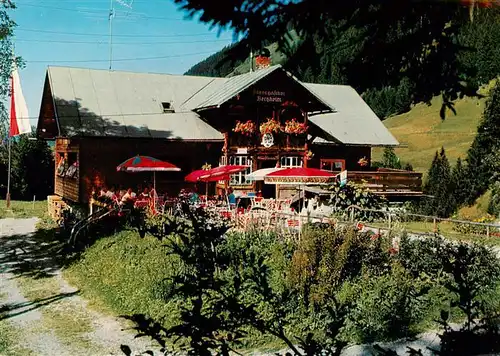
x=194, y=197
x=128, y=197
x=103, y=195
x=110, y=193
x=103, y=191
x=144, y=194
x=231, y=198
x=121, y=192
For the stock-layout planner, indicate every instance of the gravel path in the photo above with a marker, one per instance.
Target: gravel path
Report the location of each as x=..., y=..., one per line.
x=60, y=324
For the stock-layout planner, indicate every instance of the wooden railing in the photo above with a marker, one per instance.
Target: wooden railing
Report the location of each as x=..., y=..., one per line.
x=280, y=140
x=388, y=182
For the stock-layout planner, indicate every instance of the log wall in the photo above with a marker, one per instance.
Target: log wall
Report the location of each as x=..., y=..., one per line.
x=66, y=187
x=99, y=158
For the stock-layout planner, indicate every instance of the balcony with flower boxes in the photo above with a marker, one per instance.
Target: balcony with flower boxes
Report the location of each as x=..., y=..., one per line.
x=271, y=135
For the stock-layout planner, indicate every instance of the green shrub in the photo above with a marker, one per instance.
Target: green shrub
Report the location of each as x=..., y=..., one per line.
x=324, y=259
x=418, y=256
x=432, y=255
x=385, y=307
x=259, y=288
x=343, y=197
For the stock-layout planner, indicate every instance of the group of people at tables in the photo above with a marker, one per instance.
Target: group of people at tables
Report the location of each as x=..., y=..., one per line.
x=125, y=196
x=143, y=196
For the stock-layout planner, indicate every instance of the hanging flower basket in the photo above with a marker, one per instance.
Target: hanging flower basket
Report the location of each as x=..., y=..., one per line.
x=363, y=162
x=289, y=103
x=270, y=126
x=245, y=128
x=293, y=127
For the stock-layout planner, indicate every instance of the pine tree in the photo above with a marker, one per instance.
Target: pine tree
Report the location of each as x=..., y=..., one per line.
x=390, y=159
x=460, y=183
x=486, y=144
x=494, y=205
x=439, y=186
x=432, y=176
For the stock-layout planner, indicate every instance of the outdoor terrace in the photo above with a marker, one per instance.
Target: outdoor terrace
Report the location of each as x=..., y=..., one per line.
x=389, y=182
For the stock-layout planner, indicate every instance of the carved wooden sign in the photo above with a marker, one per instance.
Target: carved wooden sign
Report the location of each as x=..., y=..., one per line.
x=269, y=96
x=267, y=140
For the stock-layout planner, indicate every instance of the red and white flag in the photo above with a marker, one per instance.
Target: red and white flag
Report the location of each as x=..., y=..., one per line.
x=19, y=117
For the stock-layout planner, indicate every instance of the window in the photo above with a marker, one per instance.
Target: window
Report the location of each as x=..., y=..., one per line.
x=240, y=178
x=291, y=162
x=167, y=107
x=334, y=165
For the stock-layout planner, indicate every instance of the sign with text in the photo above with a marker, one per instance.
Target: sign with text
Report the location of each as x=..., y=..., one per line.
x=343, y=178
x=269, y=96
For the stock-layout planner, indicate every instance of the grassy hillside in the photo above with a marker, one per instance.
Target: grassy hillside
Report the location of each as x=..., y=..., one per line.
x=421, y=131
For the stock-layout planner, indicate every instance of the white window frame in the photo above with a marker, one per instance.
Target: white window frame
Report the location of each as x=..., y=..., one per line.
x=291, y=162
x=240, y=178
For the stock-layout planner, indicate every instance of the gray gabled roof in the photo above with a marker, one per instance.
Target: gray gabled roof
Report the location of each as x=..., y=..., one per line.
x=353, y=122
x=110, y=103
x=218, y=92
x=92, y=102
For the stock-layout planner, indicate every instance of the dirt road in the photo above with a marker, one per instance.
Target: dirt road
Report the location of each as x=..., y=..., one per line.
x=40, y=314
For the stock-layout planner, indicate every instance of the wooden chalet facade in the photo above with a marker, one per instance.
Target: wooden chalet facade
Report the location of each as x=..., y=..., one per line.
x=262, y=119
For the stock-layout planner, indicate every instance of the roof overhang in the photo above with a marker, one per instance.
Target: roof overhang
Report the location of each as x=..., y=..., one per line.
x=238, y=84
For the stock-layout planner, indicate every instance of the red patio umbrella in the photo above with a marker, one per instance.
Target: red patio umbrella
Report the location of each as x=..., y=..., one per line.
x=200, y=175
x=196, y=176
x=214, y=174
x=218, y=173
x=147, y=164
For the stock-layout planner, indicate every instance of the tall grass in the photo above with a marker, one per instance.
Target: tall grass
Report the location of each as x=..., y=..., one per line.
x=124, y=275
x=23, y=209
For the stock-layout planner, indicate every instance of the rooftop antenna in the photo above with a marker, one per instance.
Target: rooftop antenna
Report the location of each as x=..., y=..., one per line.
x=251, y=60
x=111, y=16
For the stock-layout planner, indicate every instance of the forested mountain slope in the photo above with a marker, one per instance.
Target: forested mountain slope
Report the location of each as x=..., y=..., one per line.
x=332, y=62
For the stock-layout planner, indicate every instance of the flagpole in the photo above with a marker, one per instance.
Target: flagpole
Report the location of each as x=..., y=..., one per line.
x=8, y=175
x=9, y=137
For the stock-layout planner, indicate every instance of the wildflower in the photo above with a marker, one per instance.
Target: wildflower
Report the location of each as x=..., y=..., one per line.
x=393, y=251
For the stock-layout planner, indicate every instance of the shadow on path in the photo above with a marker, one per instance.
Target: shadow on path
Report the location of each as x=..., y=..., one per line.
x=36, y=255
x=10, y=310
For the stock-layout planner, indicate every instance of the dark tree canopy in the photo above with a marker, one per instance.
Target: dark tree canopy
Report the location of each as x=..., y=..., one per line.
x=6, y=33
x=386, y=40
